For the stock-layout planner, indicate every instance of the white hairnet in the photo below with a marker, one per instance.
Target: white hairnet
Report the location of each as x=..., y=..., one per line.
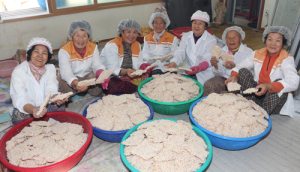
x=159, y=14
x=236, y=28
x=128, y=24
x=285, y=32
x=79, y=25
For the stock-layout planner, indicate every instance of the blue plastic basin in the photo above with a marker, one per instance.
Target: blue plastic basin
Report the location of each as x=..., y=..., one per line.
x=113, y=136
x=229, y=143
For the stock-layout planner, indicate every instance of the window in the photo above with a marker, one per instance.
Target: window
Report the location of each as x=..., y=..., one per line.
x=21, y=8
x=72, y=3
x=17, y=10
x=106, y=1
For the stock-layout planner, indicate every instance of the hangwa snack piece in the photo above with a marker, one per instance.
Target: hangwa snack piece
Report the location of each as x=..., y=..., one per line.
x=166, y=57
x=250, y=91
x=44, y=143
x=216, y=51
x=170, y=87
x=152, y=65
x=116, y=113
x=61, y=97
x=44, y=104
x=227, y=57
x=86, y=82
x=104, y=75
x=140, y=72
x=164, y=145
x=187, y=69
x=171, y=69
x=233, y=86
x=231, y=115
x=154, y=59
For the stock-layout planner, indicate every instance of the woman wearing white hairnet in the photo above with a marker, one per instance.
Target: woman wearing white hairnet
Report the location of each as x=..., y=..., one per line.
x=195, y=47
x=232, y=37
x=274, y=76
x=159, y=42
x=79, y=60
x=124, y=55
x=32, y=80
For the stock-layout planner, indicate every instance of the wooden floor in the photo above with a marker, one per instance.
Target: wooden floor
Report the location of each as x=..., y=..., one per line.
x=253, y=38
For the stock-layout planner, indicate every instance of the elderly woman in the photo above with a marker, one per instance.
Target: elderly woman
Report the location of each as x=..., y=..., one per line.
x=32, y=80
x=159, y=42
x=123, y=55
x=195, y=47
x=232, y=37
x=79, y=60
x=274, y=76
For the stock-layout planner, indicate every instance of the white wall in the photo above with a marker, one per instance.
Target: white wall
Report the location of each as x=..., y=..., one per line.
x=266, y=20
x=16, y=35
x=287, y=14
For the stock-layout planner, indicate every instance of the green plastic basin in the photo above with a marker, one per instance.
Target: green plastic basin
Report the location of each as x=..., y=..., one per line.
x=170, y=108
x=197, y=131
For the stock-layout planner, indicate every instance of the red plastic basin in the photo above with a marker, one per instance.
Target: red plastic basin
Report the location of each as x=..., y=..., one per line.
x=61, y=116
x=7, y=67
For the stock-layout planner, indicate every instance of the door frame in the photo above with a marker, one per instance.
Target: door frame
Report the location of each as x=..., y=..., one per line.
x=231, y=3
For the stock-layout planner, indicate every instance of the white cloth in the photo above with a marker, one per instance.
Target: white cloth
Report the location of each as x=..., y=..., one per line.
x=24, y=89
x=286, y=71
x=239, y=56
x=196, y=53
x=151, y=50
x=112, y=60
x=69, y=70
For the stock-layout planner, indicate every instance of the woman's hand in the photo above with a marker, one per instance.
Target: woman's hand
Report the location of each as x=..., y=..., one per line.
x=229, y=64
x=263, y=89
x=128, y=72
x=79, y=89
x=214, y=62
x=59, y=102
x=233, y=78
x=172, y=65
x=35, y=115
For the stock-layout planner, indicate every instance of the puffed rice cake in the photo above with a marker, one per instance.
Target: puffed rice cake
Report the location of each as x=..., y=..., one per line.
x=239, y=118
x=61, y=97
x=170, y=88
x=86, y=82
x=250, y=91
x=44, y=104
x=233, y=86
x=104, y=75
x=44, y=143
x=156, y=146
x=116, y=113
x=216, y=51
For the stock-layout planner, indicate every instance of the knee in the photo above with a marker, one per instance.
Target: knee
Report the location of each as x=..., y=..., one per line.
x=244, y=72
x=90, y=75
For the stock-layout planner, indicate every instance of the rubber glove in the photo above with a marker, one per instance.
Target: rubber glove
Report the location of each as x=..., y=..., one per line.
x=144, y=66
x=98, y=72
x=196, y=69
x=105, y=84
